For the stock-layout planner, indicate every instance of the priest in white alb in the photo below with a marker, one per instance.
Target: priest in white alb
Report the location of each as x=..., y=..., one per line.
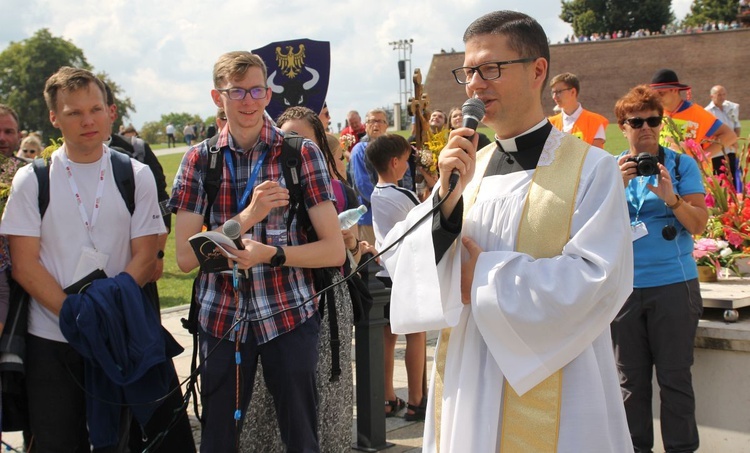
x=522, y=268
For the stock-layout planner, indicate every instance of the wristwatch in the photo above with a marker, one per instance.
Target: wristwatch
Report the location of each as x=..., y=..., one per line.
x=160, y=255
x=279, y=258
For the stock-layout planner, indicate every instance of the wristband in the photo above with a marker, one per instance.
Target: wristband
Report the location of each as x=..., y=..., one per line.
x=354, y=250
x=676, y=203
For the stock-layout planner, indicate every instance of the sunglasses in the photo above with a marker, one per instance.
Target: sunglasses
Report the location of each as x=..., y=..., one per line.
x=29, y=151
x=637, y=123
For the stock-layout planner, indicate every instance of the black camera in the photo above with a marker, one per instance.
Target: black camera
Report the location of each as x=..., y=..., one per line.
x=645, y=164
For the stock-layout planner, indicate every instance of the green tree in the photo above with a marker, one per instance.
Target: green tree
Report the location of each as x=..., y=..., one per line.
x=26, y=67
x=153, y=132
x=602, y=16
x=703, y=11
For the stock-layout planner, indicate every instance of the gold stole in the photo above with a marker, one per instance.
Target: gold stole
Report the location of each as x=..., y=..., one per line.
x=530, y=422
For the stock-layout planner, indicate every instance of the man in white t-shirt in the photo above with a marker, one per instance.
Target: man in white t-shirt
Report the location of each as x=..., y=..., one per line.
x=727, y=112
x=170, y=136
x=86, y=226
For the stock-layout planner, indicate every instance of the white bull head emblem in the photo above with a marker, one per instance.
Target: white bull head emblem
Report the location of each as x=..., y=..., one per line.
x=295, y=92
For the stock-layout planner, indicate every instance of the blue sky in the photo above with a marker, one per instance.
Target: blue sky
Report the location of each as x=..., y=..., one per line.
x=162, y=52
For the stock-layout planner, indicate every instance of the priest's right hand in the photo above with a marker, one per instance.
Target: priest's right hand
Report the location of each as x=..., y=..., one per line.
x=459, y=154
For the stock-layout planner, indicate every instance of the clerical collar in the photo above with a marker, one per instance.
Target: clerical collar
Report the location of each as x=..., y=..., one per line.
x=532, y=138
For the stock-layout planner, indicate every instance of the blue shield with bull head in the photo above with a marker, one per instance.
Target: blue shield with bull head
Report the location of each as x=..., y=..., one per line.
x=298, y=73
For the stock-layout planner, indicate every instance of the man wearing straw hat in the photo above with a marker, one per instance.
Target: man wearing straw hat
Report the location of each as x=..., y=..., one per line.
x=693, y=121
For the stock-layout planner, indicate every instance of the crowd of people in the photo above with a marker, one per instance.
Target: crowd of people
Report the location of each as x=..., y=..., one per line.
x=518, y=352
x=670, y=29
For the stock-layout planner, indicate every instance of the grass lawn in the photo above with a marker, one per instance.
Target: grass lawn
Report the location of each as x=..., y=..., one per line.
x=175, y=286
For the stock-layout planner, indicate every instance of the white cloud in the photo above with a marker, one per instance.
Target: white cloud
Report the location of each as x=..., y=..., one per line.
x=162, y=52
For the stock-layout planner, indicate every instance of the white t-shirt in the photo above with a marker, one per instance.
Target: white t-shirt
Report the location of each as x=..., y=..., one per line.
x=62, y=232
x=390, y=205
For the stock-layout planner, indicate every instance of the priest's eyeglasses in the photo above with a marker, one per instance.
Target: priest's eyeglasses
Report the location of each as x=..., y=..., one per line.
x=487, y=71
x=637, y=122
x=238, y=94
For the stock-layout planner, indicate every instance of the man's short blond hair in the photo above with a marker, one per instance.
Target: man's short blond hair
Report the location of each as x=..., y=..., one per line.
x=70, y=79
x=234, y=66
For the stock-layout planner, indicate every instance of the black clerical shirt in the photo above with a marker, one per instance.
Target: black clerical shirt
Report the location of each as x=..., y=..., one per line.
x=529, y=149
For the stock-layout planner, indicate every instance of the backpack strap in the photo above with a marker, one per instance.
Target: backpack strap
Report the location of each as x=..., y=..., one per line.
x=41, y=170
x=122, y=170
x=212, y=180
x=291, y=165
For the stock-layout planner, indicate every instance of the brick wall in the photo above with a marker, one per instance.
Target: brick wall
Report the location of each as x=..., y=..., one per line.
x=608, y=69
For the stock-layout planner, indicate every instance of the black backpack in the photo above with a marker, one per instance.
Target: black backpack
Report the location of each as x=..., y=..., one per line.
x=122, y=170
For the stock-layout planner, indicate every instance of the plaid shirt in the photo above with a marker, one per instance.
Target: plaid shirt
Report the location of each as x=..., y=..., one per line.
x=271, y=299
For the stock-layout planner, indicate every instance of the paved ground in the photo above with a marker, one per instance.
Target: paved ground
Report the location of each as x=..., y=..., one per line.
x=406, y=436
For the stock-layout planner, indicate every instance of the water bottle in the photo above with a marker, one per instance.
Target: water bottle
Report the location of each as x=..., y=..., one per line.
x=349, y=218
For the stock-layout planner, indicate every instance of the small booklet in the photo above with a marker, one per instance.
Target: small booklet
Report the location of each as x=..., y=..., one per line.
x=79, y=286
x=210, y=248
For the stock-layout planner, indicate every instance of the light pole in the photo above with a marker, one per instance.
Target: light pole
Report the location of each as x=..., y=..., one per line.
x=404, y=47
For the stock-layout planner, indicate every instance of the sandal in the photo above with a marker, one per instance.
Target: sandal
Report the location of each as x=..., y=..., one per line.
x=396, y=406
x=417, y=412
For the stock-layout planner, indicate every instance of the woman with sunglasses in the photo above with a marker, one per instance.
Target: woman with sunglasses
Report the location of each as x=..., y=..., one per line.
x=656, y=326
x=31, y=148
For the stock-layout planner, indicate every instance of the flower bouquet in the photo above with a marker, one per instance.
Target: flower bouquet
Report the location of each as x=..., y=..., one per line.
x=427, y=158
x=726, y=240
x=347, y=142
x=716, y=254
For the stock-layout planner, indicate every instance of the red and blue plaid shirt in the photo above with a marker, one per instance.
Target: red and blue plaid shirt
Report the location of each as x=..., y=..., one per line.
x=272, y=298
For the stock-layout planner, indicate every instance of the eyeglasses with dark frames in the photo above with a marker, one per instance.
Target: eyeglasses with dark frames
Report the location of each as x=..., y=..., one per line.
x=238, y=94
x=559, y=92
x=637, y=122
x=487, y=71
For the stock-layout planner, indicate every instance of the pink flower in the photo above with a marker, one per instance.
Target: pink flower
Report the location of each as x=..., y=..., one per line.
x=710, y=202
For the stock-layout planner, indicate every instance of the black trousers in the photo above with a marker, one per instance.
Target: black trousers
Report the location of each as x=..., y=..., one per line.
x=289, y=366
x=656, y=328
x=57, y=403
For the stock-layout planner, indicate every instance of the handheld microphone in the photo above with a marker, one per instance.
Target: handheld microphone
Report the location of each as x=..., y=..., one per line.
x=233, y=231
x=473, y=112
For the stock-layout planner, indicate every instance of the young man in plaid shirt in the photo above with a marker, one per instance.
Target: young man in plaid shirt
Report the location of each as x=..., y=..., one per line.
x=277, y=322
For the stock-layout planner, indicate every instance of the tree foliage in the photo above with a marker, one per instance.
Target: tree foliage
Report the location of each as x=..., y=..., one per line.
x=25, y=66
x=153, y=131
x=705, y=11
x=602, y=16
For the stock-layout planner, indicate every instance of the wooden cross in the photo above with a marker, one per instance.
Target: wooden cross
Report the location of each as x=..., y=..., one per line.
x=418, y=108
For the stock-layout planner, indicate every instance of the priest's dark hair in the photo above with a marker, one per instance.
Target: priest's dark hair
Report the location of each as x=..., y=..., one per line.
x=525, y=36
x=384, y=148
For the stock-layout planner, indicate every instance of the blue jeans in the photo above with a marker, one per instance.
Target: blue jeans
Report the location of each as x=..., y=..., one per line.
x=289, y=366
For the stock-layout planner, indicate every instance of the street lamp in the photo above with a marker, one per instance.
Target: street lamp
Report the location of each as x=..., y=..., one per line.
x=404, y=46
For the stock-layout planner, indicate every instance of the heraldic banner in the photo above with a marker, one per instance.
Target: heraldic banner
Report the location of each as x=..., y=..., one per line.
x=298, y=73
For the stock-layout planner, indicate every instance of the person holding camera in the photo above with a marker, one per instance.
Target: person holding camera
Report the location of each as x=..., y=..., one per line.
x=656, y=326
